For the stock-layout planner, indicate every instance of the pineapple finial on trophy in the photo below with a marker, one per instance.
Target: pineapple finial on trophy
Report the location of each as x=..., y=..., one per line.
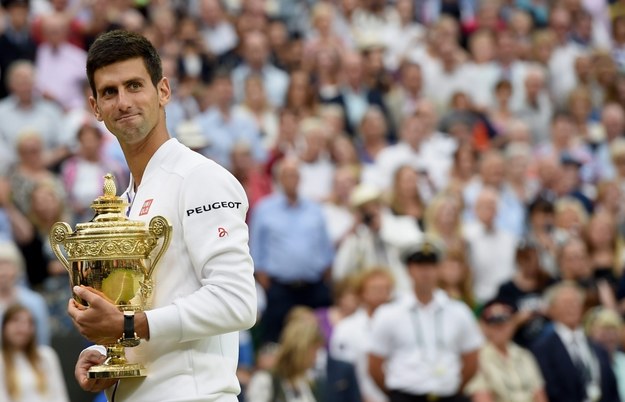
x=110, y=190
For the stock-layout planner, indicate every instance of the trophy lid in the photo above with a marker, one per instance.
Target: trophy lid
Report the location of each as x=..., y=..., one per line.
x=110, y=218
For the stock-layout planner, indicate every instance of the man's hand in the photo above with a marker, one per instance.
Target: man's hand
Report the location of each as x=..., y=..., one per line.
x=101, y=322
x=86, y=360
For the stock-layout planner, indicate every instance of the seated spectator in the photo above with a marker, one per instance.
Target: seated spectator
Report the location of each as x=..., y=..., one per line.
x=345, y=301
x=574, y=368
x=506, y=371
x=298, y=373
x=405, y=201
x=367, y=246
x=525, y=292
x=337, y=209
x=83, y=173
x=256, y=105
x=443, y=220
x=455, y=277
x=14, y=290
x=350, y=337
x=605, y=327
x=24, y=111
x=316, y=168
x=30, y=170
x=491, y=250
x=256, y=184
x=603, y=239
x=224, y=127
x=30, y=371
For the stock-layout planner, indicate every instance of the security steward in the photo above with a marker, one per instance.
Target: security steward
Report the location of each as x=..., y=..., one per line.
x=424, y=346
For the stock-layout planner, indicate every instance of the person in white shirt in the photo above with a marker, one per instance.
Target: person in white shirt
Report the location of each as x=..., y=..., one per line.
x=350, y=336
x=424, y=346
x=491, y=250
x=204, y=290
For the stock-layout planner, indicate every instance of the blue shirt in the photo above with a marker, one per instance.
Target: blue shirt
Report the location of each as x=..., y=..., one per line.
x=6, y=232
x=290, y=242
x=224, y=134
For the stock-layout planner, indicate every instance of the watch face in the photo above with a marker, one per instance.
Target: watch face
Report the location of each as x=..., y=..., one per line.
x=130, y=342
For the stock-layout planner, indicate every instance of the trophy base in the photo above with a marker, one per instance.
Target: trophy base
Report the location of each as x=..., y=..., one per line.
x=111, y=371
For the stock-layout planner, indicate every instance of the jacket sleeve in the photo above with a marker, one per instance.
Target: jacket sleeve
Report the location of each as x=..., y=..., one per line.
x=217, y=246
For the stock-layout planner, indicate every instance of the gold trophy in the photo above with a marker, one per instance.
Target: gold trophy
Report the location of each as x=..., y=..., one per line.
x=111, y=255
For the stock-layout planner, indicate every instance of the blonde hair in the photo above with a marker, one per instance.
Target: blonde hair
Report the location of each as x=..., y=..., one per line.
x=299, y=337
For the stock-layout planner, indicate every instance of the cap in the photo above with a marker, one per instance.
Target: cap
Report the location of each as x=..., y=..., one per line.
x=10, y=3
x=424, y=252
x=363, y=194
x=497, y=311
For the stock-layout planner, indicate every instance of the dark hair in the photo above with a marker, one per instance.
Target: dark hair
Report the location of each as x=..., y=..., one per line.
x=115, y=46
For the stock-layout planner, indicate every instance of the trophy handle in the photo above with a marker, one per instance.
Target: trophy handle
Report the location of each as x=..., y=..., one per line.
x=159, y=227
x=58, y=234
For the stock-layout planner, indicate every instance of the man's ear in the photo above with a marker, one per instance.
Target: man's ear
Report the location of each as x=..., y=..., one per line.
x=164, y=91
x=95, y=108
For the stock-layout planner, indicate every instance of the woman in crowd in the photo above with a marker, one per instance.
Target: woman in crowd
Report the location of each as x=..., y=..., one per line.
x=604, y=247
x=405, y=199
x=525, y=293
x=454, y=276
x=443, y=220
x=29, y=372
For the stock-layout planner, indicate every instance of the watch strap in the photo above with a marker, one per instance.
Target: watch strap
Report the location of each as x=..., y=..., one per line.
x=129, y=325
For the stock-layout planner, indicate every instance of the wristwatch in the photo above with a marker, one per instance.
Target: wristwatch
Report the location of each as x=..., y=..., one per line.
x=129, y=339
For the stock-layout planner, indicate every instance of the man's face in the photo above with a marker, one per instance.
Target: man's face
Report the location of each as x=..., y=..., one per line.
x=127, y=102
x=424, y=275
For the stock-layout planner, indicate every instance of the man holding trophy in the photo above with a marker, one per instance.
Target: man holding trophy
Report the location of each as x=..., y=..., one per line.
x=201, y=292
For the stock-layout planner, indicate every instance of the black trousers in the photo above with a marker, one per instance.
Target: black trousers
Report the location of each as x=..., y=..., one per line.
x=399, y=396
x=281, y=297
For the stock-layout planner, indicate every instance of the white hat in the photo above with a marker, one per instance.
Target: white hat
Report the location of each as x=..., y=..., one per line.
x=363, y=194
x=190, y=134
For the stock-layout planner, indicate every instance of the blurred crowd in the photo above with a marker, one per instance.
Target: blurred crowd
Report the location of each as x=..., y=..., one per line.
x=494, y=129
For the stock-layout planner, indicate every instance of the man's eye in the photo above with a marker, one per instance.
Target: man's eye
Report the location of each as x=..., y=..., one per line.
x=108, y=92
x=135, y=85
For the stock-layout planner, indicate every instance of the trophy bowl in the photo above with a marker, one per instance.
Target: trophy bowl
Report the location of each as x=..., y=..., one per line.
x=114, y=257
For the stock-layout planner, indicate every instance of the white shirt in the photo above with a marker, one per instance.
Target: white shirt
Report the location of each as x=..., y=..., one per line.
x=422, y=345
x=27, y=379
x=491, y=257
x=349, y=343
x=204, y=289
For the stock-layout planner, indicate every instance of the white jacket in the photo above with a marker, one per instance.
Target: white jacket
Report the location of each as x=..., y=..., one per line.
x=204, y=289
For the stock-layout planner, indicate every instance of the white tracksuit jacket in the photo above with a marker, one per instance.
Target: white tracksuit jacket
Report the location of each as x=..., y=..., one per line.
x=204, y=286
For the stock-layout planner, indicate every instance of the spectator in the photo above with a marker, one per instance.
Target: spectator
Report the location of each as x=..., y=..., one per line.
x=256, y=61
x=605, y=327
x=218, y=34
x=298, y=354
x=367, y=245
x=403, y=97
x=443, y=222
x=351, y=335
x=16, y=42
x=316, y=168
x=23, y=110
x=291, y=250
x=14, y=289
x=506, y=371
x=257, y=106
x=574, y=368
x=525, y=293
x=31, y=372
x=29, y=171
x=256, y=184
x=337, y=209
x=224, y=126
x=83, y=174
x=436, y=355
x=455, y=277
x=59, y=64
x=491, y=250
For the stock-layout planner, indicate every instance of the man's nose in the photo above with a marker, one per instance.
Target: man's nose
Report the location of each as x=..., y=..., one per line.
x=123, y=100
